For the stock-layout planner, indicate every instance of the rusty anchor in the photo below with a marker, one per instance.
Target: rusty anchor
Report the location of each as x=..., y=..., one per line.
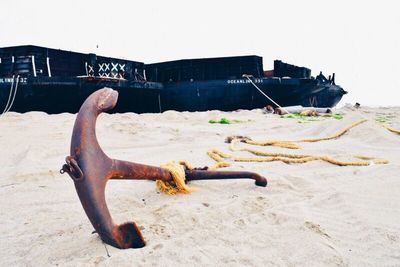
x=90, y=169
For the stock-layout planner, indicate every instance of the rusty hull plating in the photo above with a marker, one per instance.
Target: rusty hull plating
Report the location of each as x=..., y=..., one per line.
x=90, y=168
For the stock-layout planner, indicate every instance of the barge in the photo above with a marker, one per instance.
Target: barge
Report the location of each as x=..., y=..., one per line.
x=34, y=78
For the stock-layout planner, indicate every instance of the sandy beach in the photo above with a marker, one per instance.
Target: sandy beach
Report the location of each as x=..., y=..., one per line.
x=311, y=214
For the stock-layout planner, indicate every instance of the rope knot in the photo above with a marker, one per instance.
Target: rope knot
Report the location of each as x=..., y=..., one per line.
x=177, y=184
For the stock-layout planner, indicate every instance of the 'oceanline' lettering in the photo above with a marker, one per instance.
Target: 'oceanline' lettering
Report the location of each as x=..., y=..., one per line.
x=244, y=81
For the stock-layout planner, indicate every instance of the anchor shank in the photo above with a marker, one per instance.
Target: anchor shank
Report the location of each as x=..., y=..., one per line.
x=134, y=171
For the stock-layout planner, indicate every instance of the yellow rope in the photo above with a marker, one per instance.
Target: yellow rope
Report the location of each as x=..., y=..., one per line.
x=384, y=126
x=177, y=169
x=280, y=143
x=220, y=157
x=337, y=135
x=177, y=185
x=292, y=144
x=392, y=129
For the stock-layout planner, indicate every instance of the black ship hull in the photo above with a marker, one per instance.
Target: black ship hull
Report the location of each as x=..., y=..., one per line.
x=67, y=95
x=228, y=95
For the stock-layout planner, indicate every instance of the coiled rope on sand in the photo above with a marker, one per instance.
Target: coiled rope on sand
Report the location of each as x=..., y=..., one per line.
x=177, y=169
x=221, y=157
x=292, y=144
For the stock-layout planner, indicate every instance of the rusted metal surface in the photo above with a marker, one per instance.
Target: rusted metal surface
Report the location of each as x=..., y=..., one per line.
x=90, y=168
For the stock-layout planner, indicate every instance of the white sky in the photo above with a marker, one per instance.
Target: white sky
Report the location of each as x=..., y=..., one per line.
x=359, y=40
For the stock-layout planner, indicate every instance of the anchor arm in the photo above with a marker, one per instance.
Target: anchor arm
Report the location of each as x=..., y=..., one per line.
x=89, y=167
x=213, y=175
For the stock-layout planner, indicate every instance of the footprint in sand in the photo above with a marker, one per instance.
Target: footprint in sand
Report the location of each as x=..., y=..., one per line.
x=316, y=228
